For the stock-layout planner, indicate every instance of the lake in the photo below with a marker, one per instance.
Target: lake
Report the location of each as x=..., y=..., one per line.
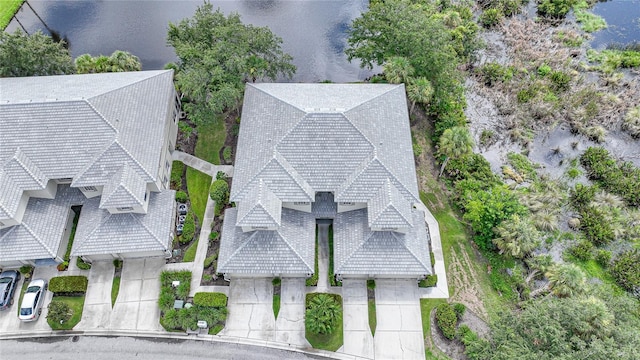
x=623, y=20
x=313, y=32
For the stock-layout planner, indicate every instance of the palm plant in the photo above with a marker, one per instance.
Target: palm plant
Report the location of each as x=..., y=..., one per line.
x=322, y=314
x=124, y=61
x=545, y=220
x=454, y=143
x=517, y=237
x=605, y=199
x=398, y=69
x=419, y=90
x=565, y=280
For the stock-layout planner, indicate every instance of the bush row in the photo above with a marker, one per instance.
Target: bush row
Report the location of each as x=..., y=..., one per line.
x=63, y=285
x=214, y=299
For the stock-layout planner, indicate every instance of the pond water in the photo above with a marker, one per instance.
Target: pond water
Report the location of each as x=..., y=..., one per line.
x=623, y=20
x=314, y=32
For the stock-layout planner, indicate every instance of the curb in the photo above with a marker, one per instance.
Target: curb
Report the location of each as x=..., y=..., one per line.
x=183, y=336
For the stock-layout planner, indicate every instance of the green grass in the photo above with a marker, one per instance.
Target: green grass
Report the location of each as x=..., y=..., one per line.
x=210, y=140
x=426, y=305
x=590, y=22
x=72, y=235
x=216, y=329
x=190, y=253
x=115, y=289
x=594, y=270
x=7, y=9
x=331, y=342
x=373, y=321
x=198, y=185
x=177, y=169
x=276, y=305
x=313, y=280
x=76, y=303
x=25, y=284
x=332, y=278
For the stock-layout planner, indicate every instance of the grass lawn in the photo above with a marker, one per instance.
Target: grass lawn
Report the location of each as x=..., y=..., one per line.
x=7, y=9
x=76, y=303
x=373, y=322
x=276, y=305
x=198, y=185
x=25, y=284
x=210, y=140
x=115, y=289
x=190, y=253
x=426, y=305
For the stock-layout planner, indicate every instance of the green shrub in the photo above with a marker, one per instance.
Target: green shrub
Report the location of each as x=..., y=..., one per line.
x=556, y=9
x=226, y=154
x=219, y=192
x=510, y=7
x=492, y=73
x=544, y=70
x=371, y=284
x=214, y=235
x=214, y=299
x=581, y=196
x=525, y=95
x=446, y=320
x=59, y=312
x=583, y=250
x=189, y=229
x=625, y=269
x=323, y=312
x=182, y=291
x=177, y=169
x=181, y=196
x=560, y=81
x=210, y=260
x=491, y=17
x=166, y=299
x=596, y=227
x=620, y=178
x=117, y=263
x=459, y=309
x=603, y=257
x=68, y=284
x=428, y=281
x=276, y=281
x=82, y=265
x=26, y=269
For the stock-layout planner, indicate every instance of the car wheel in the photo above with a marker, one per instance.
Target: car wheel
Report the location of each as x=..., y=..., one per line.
x=39, y=311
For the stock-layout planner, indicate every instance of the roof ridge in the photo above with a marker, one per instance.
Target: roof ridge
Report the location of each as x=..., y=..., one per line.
x=282, y=161
x=391, y=88
x=24, y=166
x=101, y=116
x=155, y=237
x=159, y=73
x=355, y=250
x=92, y=231
x=395, y=178
x=237, y=250
x=409, y=250
x=311, y=267
x=133, y=158
x=277, y=98
x=28, y=229
x=355, y=174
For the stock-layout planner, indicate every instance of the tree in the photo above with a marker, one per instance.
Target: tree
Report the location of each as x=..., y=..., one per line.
x=455, y=143
x=322, y=314
x=59, y=312
x=415, y=31
x=219, y=192
x=33, y=55
x=217, y=55
x=419, y=91
x=398, y=70
x=517, y=237
x=118, y=61
x=626, y=270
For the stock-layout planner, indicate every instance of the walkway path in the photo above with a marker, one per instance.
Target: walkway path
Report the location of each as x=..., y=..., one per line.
x=201, y=165
x=399, y=324
x=357, y=334
x=323, y=256
x=290, y=321
x=97, y=303
x=441, y=290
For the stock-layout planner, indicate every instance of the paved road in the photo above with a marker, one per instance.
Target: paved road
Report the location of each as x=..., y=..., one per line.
x=123, y=348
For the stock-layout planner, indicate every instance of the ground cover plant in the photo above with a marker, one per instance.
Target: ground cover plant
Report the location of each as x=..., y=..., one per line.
x=65, y=308
x=323, y=321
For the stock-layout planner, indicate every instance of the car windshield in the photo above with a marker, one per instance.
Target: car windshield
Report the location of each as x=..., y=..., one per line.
x=32, y=289
x=25, y=311
x=5, y=280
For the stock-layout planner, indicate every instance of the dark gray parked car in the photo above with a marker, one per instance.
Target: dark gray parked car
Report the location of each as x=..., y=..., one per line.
x=8, y=282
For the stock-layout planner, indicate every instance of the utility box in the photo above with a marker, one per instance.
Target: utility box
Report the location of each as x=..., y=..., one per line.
x=202, y=324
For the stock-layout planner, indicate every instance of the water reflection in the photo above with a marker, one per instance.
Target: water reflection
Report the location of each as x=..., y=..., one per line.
x=313, y=32
x=623, y=20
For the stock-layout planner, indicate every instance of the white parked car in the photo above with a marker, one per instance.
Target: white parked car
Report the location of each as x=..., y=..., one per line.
x=32, y=300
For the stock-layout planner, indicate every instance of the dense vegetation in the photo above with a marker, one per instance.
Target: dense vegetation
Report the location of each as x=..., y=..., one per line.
x=217, y=55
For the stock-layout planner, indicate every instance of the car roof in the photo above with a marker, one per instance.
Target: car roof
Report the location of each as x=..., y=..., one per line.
x=28, y=300
x=9, y=273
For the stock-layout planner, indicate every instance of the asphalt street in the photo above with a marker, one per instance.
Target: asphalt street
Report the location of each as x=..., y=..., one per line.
x=125, y=348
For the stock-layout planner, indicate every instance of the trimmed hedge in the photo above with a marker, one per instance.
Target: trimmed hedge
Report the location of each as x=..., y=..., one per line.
x=447, y=320
x=68, y=284
x=214, y=299
x=429, y=281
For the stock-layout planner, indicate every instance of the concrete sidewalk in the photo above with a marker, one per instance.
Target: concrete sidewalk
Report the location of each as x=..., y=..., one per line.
x=201, y=165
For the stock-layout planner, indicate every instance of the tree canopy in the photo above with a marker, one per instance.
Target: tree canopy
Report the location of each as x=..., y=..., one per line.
x=217, y=55
x=32, y=55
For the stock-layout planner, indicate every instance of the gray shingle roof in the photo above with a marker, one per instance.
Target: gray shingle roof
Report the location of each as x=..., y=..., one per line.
x=343, y=138
x=265, y=211
x=324, y=207
x=69, y=124
x=388, y=209
x=124, y=189
x=10, y=194
x=359, y=251
x=100, y=232
x=289, y=250
x=43, y=224
x=24, y=172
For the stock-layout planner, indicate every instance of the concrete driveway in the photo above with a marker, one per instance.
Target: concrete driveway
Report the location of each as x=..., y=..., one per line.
x=290, y=321
x=399, y=328
x=97, y=303
x=355, y=319
x=251, y=309
x=137, y=305
x=9, y=322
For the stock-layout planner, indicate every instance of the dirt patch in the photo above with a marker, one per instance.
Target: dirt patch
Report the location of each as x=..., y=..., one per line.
x=463, y=278
x=454, y=348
